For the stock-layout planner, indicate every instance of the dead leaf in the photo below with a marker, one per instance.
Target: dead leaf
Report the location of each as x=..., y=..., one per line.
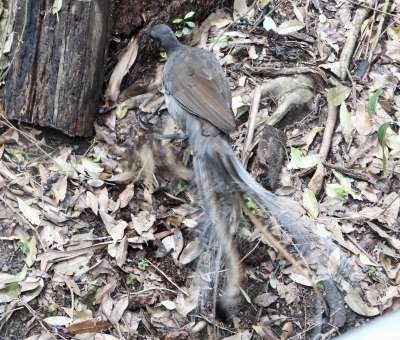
x=126, y=60
x=117, y=232
x=362, y=121
x=108, y=221
x=126, y=196
x=290, y=26
x=103, y=200
x=31, y=214
x=61, y=187
x=119, y=310
x=92, y=202
x=265, y=299
x=394, y=242
x=287, y=331
x=70, y=283
x=122, y=251
x=88, y=327
x=143, y=221
x=191, y=252
x=105, y=291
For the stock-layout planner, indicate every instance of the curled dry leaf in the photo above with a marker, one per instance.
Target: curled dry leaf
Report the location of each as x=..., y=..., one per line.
x=126, y=196
x=174, y=242
x=290, y=26
x=92, y=202
x=108, y=221
x=122, y=252
x=287, y=331
x=44, y=175
x=126, y=61
x=117, y=232
x=191, y=252
x=355, y=302
x=30, y=213
x=90, y=326
x=103, y=200
x=59, y=189
x=394, y=242
x=309, y=137
x=119, y=310
x=240, y=9
x=90, y=166
x=95, y=183
x=265, y=299
x=143, y=221
x=73, y=265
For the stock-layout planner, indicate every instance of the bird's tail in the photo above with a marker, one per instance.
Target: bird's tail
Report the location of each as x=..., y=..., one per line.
x=221, y=178
x=222, y=214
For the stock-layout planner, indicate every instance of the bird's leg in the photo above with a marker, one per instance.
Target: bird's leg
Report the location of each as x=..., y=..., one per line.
x=172, y=136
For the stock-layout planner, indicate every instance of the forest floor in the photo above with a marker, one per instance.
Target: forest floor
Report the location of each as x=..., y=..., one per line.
x=99, y=237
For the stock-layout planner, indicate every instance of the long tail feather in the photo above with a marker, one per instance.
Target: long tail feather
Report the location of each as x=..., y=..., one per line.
x=220, y=177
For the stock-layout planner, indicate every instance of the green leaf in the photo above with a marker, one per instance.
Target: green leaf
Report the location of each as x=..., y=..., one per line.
x=10, y=292
x=177, y=21
x=246, y=296
x=345, y=121
x=365, y=25
x=336, y=191
x=345, y=182
x=31, y=252
x=181, y=188
x=372, y=102
x=188, y=15
x=310, y=203
x=121, y=111
x=365, y=260
x=338, y=94
x=19, y=277
x=382, y=133
x=178, y=33
x=299, y=162
x=381, y=139
x=251, y=206
x=190, y=24
x=186, y=31
x=388, y=251
x=221, y=39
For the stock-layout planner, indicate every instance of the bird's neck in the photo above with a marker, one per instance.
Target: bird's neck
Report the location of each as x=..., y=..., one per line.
x=173, y=45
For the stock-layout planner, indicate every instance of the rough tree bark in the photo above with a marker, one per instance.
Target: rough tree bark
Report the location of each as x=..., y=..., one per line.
x=56, y=78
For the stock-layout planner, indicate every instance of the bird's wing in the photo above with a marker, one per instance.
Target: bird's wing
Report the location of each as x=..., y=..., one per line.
x=197, y=82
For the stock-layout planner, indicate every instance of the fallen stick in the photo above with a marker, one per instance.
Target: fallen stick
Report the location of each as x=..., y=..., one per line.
x=316, y=182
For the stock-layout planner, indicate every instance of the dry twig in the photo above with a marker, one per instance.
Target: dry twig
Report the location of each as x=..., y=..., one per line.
x=316, y=182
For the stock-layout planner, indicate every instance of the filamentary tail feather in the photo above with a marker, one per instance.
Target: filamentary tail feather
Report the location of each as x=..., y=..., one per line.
x=221, y=178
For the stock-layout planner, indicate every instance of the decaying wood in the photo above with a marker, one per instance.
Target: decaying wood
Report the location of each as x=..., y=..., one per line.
x=57, y=76
x=270, y=156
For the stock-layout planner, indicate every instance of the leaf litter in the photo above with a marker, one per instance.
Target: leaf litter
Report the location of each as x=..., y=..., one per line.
x=124, y=240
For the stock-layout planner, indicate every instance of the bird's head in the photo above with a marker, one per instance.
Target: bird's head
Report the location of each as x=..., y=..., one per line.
x=163, y=36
